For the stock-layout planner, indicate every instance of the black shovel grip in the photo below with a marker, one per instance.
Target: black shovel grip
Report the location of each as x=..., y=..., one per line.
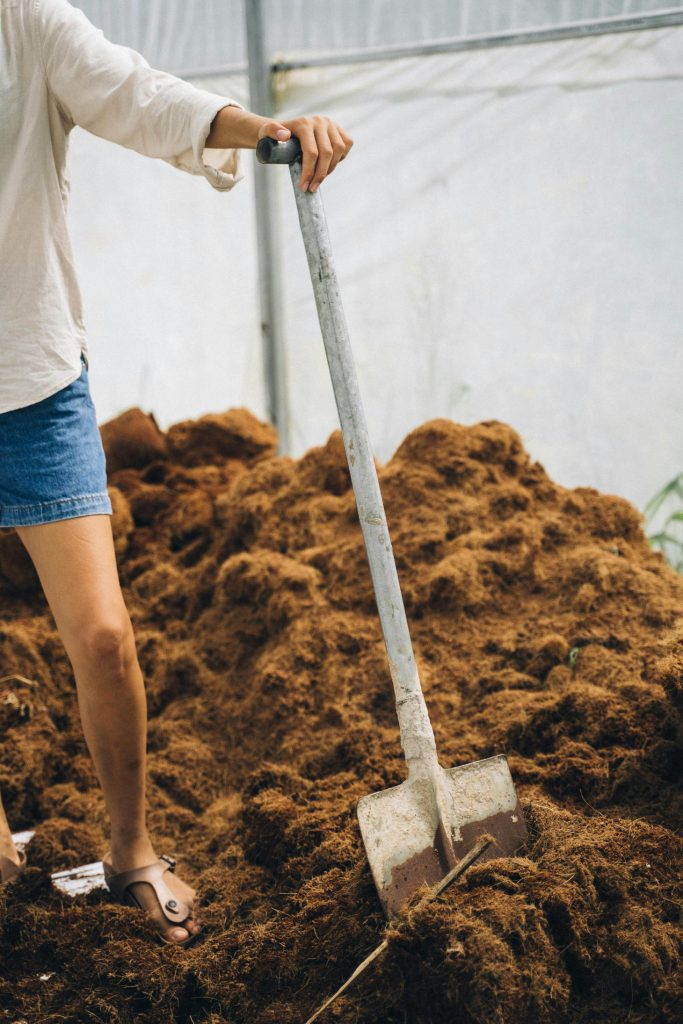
x=268, y=151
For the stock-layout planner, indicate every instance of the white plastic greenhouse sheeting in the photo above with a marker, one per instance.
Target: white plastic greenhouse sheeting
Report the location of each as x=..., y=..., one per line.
x=175, y=34
x=508, y=240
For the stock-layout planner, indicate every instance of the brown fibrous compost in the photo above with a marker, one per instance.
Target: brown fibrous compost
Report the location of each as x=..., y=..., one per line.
x=545, y=628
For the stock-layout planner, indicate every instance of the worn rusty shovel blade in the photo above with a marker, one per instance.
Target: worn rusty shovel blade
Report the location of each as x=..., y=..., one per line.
x=416, y=832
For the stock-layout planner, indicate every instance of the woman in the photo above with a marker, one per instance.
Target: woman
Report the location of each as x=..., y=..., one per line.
x=57, y=71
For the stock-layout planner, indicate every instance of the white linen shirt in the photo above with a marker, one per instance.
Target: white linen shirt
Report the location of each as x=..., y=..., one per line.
x=57, y=71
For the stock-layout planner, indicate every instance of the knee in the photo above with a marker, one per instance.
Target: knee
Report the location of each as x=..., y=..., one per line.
x=108, y=643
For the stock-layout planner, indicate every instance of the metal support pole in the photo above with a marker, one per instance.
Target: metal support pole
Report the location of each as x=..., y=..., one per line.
x=261, y=102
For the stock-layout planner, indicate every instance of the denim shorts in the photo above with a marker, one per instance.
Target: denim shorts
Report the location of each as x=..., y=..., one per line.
x=52, y=463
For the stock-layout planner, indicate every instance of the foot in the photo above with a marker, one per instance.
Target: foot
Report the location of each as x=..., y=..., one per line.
x=147, y=897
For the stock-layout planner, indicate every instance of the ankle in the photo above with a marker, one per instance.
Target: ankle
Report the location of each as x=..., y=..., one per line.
x=7, y=847
x=129, y=849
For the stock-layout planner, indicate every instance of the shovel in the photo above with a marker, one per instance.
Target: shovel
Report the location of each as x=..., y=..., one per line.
x=414, y=833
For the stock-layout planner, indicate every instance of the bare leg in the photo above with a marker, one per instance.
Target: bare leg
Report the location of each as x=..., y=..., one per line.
x=76, y=563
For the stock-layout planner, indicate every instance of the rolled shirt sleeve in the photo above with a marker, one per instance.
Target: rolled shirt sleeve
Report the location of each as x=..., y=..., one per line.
x=111, y=91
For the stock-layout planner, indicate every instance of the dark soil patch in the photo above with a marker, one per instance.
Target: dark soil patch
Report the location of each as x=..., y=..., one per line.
x=545, y=628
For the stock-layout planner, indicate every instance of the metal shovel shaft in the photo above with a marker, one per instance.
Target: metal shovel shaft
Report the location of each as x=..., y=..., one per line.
x=417, y=737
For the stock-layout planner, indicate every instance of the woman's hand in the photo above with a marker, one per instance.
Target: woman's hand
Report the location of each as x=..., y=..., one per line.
x=323, y=142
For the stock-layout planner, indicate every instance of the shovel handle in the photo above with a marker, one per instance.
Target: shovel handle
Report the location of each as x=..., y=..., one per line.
x=417, y=737
x=270, y=151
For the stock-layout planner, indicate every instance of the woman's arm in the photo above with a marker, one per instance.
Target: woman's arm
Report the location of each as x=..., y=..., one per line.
x=111, y=91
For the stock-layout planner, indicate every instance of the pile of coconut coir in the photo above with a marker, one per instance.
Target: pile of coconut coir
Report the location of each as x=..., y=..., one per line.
x=545, y=628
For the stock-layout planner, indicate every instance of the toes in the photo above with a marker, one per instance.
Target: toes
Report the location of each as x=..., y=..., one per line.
x=179, y=934
x=146, y=898
x=192, y=925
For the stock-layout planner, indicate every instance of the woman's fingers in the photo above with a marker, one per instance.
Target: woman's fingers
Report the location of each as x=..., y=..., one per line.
x=323, y=145
x=303, y=130
x=333, y=145
x=325, y=154
x=346, y=139
x=338, y=147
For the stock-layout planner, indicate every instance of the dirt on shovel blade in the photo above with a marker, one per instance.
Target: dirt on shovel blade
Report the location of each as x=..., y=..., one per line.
x=545, y=629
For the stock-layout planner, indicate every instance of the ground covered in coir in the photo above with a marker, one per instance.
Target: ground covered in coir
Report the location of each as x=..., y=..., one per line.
x=545, y=628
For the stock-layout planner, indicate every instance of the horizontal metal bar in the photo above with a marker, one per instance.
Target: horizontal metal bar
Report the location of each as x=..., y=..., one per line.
x=570, y=30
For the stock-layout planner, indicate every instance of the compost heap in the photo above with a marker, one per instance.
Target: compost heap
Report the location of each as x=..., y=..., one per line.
x=545, y=628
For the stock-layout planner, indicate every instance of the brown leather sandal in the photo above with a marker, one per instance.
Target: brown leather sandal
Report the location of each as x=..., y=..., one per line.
x=8, y=869
x=175, y=910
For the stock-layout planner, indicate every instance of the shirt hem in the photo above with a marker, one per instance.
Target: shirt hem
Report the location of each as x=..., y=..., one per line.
x=52, y=390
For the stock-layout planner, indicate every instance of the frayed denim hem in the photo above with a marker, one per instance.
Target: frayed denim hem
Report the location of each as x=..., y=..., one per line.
x=55, y=510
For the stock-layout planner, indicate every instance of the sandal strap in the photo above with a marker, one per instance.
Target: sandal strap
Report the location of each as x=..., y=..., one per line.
x=175, y=909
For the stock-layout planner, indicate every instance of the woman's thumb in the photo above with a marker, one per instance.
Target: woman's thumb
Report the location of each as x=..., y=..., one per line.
x=274, y=130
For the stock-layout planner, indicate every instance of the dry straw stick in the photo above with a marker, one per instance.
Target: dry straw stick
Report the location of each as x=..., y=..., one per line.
x=459, y=869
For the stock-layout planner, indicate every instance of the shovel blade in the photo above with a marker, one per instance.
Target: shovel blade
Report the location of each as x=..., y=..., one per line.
x=416, y=832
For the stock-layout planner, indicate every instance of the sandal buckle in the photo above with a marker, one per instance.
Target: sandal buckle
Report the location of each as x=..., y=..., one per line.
x=169, y=860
